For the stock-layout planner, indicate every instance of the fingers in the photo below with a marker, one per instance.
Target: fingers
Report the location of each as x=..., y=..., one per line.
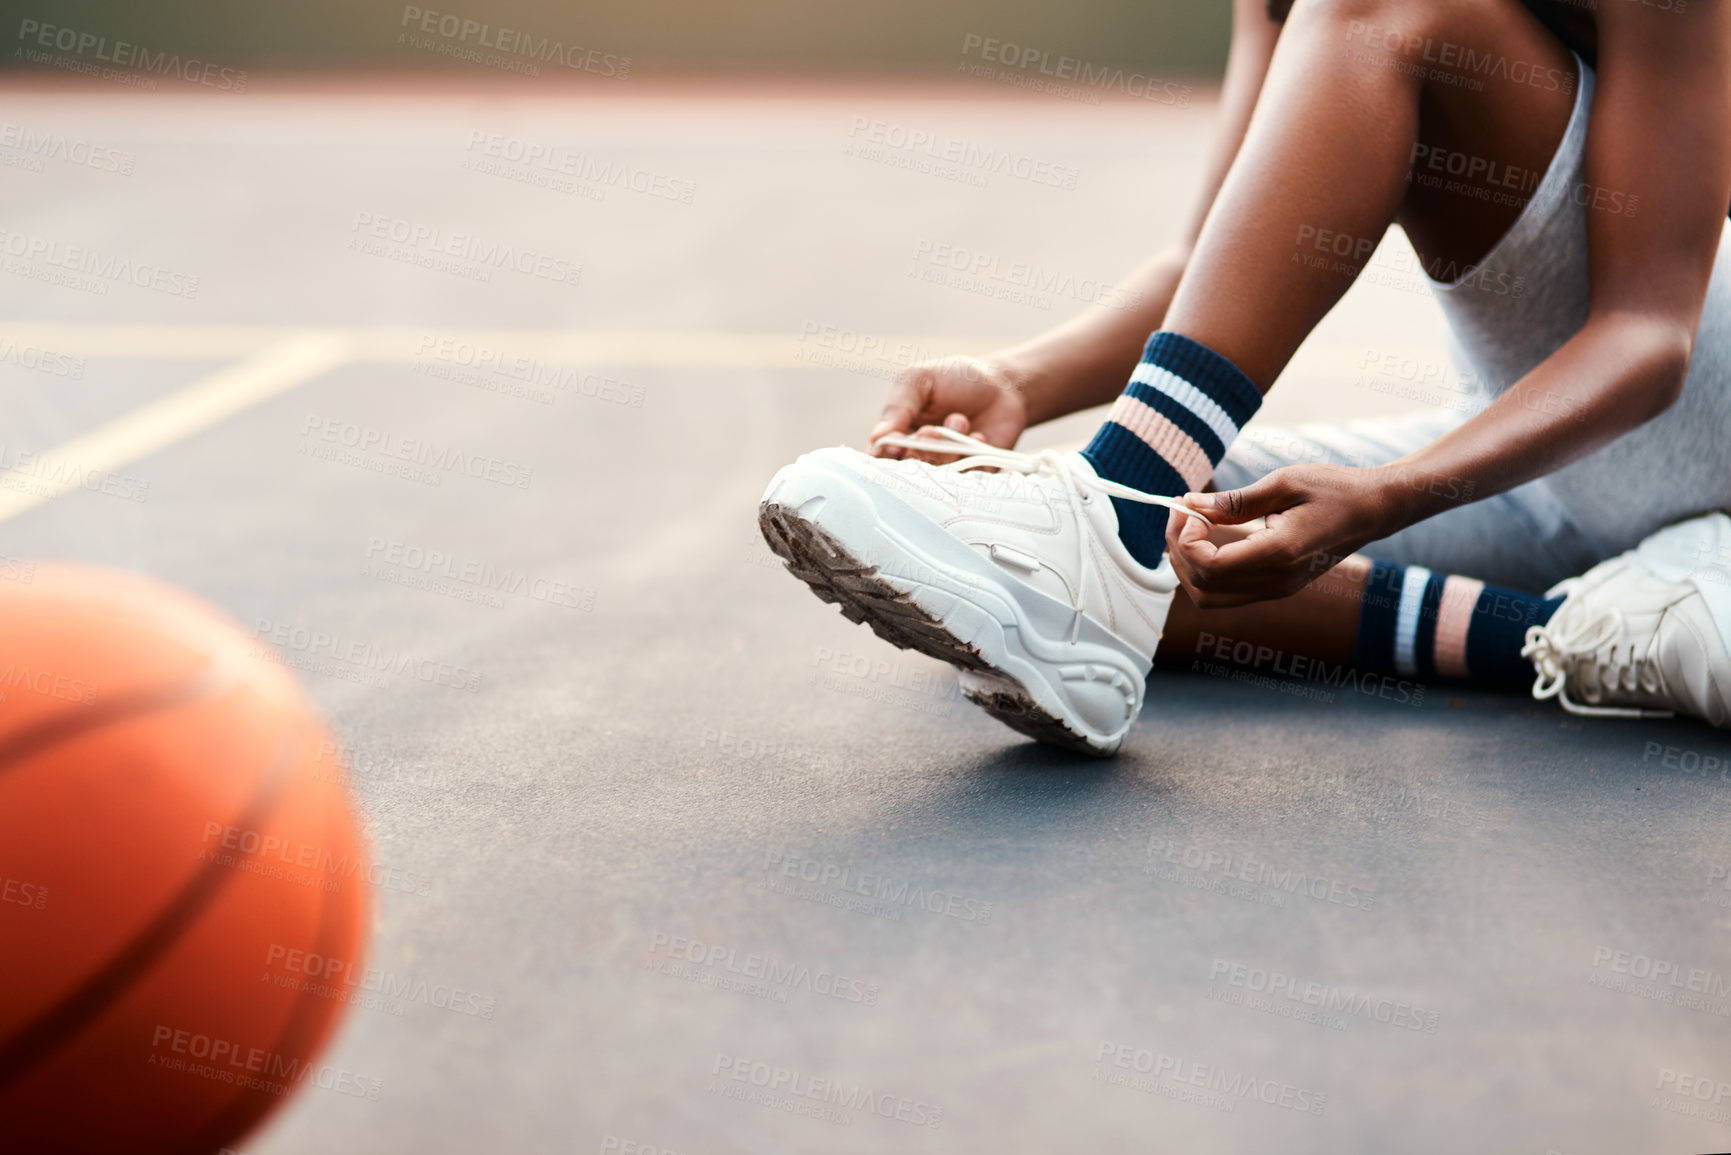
x=1184, y=533
x=955, y=421
x=1267, y=495
x=1263, y=565
x=909, y=397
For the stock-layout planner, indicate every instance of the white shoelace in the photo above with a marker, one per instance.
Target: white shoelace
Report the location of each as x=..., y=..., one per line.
x=1078, y=486
x=1550, y=653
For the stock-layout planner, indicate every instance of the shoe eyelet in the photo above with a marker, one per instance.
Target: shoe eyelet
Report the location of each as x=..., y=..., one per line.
x=1087, y=499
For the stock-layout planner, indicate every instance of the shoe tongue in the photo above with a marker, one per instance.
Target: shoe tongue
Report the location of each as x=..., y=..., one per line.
x=1080, y=462
x=1697, y=552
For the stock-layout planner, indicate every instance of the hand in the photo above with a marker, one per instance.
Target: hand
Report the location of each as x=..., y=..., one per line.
x=1313, y=517
x=968, y=394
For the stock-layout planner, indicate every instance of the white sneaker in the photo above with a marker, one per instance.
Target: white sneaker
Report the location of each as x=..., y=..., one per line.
x=1646, y=634
x=1016, y=577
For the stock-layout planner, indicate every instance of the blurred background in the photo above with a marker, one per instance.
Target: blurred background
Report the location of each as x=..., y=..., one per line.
x=268, y=269
x=895, y=36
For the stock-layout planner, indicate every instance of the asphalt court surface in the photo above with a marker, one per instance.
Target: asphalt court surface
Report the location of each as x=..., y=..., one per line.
x=716, y=870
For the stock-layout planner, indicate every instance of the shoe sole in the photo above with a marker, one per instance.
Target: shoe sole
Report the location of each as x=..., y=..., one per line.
x=835, y=575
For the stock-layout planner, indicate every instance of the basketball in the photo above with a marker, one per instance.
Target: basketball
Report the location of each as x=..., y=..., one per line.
x=182, y=883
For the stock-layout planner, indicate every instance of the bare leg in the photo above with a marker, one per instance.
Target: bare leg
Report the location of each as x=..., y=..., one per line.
x=1320, y=621
x=1324, y=169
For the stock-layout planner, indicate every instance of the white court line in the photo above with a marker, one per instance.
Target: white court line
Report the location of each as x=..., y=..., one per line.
x=279, y=358
x=679, y=349
x=182, y=414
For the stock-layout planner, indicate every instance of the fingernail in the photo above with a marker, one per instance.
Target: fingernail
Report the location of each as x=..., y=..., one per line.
x=880, y=429
x=956, y=421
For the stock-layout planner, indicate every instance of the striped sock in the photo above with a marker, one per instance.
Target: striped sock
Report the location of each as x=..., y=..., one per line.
x=1167, y=431
x=1417, y=624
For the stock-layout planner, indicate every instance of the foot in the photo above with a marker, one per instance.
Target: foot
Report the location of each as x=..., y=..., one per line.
x=1006, y=565
x=1645, y=634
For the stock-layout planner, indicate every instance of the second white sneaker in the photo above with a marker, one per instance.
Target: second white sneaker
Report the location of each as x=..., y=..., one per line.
x=1646, y=633
x=1005, y=564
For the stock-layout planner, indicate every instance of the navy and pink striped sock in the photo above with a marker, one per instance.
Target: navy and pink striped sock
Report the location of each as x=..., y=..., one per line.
x=1428, y=626
x=1167, y=431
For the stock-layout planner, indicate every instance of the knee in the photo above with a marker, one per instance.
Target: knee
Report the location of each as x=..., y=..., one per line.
x=1381, y=24
x=1391, y=27
x=1400, y=28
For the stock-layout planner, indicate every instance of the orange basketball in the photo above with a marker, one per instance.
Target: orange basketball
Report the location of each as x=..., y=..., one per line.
x=170, y=831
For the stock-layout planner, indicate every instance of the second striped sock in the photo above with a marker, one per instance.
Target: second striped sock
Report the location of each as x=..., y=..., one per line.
x=1422, y=625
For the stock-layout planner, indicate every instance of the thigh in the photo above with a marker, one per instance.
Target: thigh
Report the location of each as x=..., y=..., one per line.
x=1261, y=449
x=1522, y=539
x=1511, y=540
x=1355, y=92
x=1492, y=113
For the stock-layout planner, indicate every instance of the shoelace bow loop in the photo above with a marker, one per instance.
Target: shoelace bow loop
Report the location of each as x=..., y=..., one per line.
x=1552, y=652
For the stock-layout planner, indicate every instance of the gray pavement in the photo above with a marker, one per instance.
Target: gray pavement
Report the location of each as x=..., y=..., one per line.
x=689, y=824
